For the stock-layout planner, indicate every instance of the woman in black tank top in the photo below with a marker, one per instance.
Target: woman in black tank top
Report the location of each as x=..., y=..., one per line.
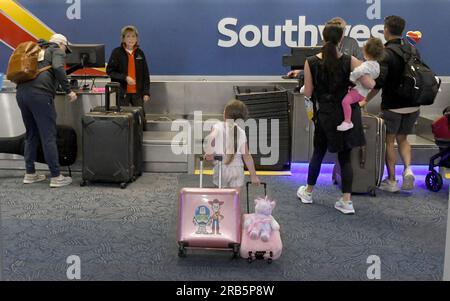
x=327, y=82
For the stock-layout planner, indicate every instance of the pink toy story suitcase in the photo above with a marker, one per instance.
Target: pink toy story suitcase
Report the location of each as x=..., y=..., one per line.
x=209, y=218
x=257, y=249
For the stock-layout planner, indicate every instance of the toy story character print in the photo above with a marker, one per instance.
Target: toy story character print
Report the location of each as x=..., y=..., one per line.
x=216, y=216
x=202, y=219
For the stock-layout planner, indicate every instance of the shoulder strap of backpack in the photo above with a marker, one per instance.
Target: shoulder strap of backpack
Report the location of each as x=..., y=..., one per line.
x=395, y=48
x=44, y=69
x=44, y=48
x=404, y=50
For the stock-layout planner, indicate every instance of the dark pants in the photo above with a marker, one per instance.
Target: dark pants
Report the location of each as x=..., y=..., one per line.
x=320, y=149
x=134, y=100
x=39, y=117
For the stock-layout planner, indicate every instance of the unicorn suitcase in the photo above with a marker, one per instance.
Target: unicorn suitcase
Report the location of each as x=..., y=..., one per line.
x=253, y=249
x=209, y=218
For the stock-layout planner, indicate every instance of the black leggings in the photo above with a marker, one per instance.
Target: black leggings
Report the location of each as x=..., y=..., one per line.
x=320, y=149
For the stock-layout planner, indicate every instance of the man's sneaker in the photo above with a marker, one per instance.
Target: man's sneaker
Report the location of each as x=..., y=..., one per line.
x=408, y=180
x=344, y=126
x=304, y=196
x=344, y=207
x=60, y=181
x=33, y=178
x=389, y=185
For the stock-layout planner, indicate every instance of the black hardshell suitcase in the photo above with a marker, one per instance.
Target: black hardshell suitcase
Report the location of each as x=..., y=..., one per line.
x=368, y=160
x=108, y=145
x=139, y=123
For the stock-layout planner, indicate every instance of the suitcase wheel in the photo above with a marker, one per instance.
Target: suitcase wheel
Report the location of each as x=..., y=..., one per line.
x=373, y=193
x=249, y=258
x=269, y=261
x=181, y=252
x=83, y=183
x=433, y=181
x=123, y=185
x=235, y=251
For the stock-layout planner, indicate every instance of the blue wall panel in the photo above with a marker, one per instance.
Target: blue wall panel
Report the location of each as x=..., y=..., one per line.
x=180, y=37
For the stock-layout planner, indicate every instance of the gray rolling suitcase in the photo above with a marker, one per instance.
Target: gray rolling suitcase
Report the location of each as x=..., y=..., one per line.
x=368, y=160
x=108, y=145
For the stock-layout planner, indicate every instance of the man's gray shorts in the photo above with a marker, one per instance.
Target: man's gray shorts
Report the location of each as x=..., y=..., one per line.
x=399, y=124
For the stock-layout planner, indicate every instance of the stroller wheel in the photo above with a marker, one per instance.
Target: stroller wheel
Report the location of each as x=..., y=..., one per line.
x=433, y=181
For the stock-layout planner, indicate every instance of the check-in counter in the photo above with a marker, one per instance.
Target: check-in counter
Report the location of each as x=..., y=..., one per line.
x=178, y=97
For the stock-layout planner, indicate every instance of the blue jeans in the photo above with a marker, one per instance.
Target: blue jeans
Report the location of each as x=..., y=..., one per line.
x=39, y=117
x=215, y=226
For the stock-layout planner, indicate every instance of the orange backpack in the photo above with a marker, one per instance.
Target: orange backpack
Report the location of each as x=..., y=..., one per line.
x=23, y=63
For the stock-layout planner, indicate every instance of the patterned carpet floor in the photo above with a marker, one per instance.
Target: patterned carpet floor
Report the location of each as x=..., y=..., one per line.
x=131, y=234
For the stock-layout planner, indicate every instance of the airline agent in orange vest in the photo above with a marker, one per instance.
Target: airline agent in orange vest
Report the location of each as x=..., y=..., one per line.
x=128, y=66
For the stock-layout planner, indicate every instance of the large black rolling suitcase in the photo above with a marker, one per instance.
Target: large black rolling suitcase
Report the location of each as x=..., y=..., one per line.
x=367, y=160
x=139, y=123
x=108, y=145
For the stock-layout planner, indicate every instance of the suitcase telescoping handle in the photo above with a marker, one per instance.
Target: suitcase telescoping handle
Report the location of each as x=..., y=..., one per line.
x=362, y=156
x=218, y=158
x=248, y=200
x=109, y=89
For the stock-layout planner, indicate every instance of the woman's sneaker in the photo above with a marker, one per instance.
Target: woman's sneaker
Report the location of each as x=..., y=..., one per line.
x=408, y=180
x=33, y=178
x=60, y=181
x=345, y=126
x=344, y=207
x=304, y=196
x=389, y=185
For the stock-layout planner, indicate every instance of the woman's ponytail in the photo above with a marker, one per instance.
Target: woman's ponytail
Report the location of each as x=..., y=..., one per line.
x=332, y=34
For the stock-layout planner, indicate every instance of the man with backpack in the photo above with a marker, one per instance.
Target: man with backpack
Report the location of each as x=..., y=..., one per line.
x=400, y=99
x=35, y=98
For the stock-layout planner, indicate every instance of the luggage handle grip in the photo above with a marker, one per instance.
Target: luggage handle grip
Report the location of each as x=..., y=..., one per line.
x=362, y=156
x=218, y=158
x=248, y=198
x=108, y=88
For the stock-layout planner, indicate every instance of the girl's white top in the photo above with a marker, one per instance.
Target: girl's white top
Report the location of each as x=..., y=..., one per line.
x=371, y=68
x=224, y=141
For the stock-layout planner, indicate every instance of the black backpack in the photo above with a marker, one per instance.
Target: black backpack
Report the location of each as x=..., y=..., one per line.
x=418, y=82
x=66, y=140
